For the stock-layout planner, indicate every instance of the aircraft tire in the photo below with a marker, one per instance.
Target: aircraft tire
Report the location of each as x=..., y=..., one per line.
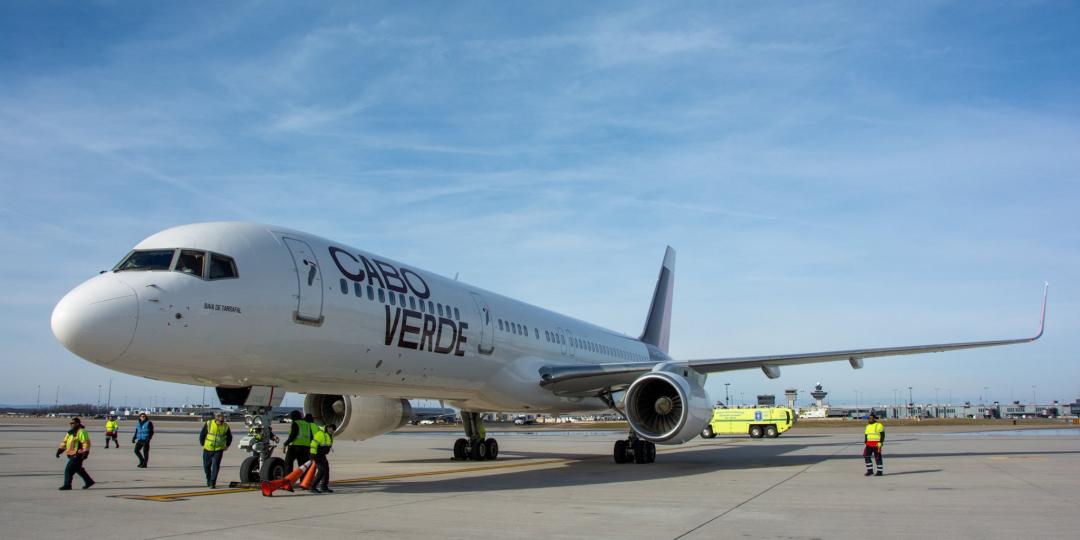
x=478, y=451
x=620, y=451
x=249, y=469
x=460, y=447
x=272, y=469
x=650, y=452
x=492, y=448
x=641, y=452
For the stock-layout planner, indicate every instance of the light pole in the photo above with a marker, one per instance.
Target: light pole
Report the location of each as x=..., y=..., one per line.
x=57, y=403
x=937, y=403
x=910, y=403
x=39, y=397
x=727, y=396
x=1034, y=402
x=108, y=405
x=986, y=394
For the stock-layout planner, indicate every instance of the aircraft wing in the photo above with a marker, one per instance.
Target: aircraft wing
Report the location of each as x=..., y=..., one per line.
x=591, y=380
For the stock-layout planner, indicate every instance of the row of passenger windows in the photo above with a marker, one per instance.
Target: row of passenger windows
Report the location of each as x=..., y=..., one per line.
x=203, y=264
x=577, y=343
x=400, y=299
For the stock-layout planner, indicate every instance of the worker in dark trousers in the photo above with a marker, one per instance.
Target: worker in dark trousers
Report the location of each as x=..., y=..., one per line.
x=144, y=431
x=874, y=438
x=76, y=445
x=112, y=428
x=298, y=444
x=215, y=438
x=321, y=444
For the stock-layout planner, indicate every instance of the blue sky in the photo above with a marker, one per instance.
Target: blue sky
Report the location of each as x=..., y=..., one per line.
x=833, y=175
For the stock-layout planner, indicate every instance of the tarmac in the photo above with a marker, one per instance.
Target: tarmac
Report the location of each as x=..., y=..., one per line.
x=952, y=482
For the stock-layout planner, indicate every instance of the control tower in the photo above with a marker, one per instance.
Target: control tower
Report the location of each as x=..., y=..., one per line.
x=790, y=395
x=819, y=396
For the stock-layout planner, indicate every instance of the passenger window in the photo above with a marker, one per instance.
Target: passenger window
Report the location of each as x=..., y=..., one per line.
x=537, y=331
x=222, y=267
x=344, y=286
x=412, y=302
x=382, y=296
x=393, y=299
x=155, y=259
x=500, y=324
x=358, y=290
x=370, y=293
x=547, y=336
x=401, y=298
x=430, y=307
x=440, y=309
x=191, y=262
x=422, y=306
x=457, y=314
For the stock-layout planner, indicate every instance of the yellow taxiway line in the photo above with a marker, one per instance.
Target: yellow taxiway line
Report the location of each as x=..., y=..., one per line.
x=169, y=497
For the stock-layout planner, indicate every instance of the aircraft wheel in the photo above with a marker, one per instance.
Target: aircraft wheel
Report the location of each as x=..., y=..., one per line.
x=461, y=449
x=650, y=452
x=272, y=469
x=641, y=452
x=756, y=432
x=707, y=433
x=478, y=452
x=620, y=451
x=249, y=469
x=771, y=432
x=492, y=448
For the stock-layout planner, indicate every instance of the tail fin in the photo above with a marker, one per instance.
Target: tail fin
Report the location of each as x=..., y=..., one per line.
x=658, y=321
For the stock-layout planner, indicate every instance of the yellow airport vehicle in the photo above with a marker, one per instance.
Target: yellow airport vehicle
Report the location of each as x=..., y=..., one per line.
x=757, y=423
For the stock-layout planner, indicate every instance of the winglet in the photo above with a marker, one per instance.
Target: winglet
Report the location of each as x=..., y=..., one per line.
x=1042, y=319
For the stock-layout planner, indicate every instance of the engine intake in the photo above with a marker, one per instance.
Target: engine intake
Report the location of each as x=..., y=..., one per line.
x=358, y=417
x=667, y=408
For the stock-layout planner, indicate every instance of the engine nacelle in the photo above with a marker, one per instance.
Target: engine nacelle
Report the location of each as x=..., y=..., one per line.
x=666, y=408
x=358, y=417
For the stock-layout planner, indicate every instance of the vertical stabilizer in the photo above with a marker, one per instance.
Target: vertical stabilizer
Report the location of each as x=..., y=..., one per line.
x=658, y=321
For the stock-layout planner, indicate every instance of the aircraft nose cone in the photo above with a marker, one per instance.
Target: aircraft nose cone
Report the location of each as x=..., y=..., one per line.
x=97, y=319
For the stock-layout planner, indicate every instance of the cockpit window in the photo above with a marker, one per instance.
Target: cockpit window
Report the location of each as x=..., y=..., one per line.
x=191, y=262
x=150, y=259
x=221, y=267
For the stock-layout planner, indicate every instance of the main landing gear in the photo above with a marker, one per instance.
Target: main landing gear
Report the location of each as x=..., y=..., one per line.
x=260, y=466
x=634, y=450
x=475, y=445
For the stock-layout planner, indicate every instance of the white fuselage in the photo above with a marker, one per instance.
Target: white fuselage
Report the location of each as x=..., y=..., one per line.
x=309, y=315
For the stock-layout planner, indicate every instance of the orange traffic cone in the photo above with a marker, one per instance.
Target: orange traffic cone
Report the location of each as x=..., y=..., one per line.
x=286, y=483
x=309, y=476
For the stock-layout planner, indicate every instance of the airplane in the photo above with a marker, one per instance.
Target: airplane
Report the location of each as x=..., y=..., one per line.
x=257, y=311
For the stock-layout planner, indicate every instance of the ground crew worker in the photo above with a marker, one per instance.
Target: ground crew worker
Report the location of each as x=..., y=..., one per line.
x=215, y=438
x=111, y=425
x=874, y=437
x=76, y=445
x=298, y=444
x=144, y=431
x=321, y=443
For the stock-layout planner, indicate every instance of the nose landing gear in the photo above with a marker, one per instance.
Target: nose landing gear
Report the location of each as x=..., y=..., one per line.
x=260, y=466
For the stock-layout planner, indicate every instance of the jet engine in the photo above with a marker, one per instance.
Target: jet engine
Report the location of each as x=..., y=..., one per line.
x=667, y=407
x=358, y=417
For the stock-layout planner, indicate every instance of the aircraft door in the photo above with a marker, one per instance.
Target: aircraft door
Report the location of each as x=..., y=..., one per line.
x=570, y=349
x=487, y=328
x=562, y=339
x=309, y=295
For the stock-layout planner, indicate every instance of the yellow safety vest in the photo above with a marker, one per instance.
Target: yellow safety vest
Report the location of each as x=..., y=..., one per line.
x=110, y=426
x=874, y=431
x=321, y=438
x=73, y=443
x=303, y=433
x=215, y=436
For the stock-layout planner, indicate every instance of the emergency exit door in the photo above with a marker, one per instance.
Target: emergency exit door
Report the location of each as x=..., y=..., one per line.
x=309, y=296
